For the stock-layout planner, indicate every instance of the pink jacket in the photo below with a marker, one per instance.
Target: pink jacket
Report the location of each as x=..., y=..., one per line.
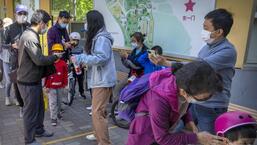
x=162, y=104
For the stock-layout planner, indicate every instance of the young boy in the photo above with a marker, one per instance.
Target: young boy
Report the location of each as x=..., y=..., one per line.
x=78, y=75
x=239, y=127
x=55, y=83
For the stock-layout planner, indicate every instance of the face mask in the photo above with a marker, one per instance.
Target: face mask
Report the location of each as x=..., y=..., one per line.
x=192, y=100
x=85, y=27
x=22, y=19
x=206, y=36
x=134, y=45
x=63, y=26
x=43, y=31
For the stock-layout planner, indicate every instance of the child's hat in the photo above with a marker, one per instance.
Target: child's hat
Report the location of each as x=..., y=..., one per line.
x=75, y=36
x=230, y=120
x=57, y=47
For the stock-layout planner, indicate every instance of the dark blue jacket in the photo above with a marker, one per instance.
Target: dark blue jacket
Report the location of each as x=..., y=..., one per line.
x=56, y=35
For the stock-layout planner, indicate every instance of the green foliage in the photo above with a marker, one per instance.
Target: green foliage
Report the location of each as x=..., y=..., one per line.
x=81, y=7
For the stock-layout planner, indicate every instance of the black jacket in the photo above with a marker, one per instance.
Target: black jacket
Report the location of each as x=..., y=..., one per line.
x=13, y=34
x=31, y=60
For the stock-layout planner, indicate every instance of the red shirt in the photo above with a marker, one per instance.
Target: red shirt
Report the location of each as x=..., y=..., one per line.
x=60, y=78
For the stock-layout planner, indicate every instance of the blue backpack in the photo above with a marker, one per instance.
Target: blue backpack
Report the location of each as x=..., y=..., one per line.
x=130, y=97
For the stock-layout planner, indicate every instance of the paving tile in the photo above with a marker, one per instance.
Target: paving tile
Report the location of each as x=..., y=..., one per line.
x=76, y=121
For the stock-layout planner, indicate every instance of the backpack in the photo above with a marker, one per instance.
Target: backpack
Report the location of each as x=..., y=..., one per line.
x=130, y=97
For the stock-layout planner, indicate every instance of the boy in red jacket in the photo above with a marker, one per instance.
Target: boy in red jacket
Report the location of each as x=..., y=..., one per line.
x=55, y=83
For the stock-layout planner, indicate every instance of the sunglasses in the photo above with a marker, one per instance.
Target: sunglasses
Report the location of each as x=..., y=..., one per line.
x=22, y=13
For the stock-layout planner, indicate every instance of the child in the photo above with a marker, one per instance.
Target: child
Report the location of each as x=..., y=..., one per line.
x=239, y=127
x=78, y=73
x=55, y=83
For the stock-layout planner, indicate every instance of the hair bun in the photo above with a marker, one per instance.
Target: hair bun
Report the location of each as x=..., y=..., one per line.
x=176, y=66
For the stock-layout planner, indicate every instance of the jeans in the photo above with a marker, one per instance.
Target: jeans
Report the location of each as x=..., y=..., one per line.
x=205, y=117
x=8, y=83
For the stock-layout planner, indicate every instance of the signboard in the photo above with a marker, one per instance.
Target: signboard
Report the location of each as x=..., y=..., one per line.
x=175, y=25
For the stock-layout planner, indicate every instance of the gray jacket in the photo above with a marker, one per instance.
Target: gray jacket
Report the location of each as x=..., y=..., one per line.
x=101, y=64
x=222, y=57
x=30, y=58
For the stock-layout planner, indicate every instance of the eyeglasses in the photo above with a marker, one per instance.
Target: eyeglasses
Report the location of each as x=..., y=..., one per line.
x=22, y=13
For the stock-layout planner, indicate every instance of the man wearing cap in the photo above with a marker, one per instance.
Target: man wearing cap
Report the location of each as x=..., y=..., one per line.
x=12, y=37
x=58, y=33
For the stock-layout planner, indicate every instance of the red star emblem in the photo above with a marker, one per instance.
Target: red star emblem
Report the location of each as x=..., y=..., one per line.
x=189, y=5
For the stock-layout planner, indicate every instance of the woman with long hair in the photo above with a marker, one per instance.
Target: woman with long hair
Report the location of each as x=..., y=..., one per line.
x=101, y=76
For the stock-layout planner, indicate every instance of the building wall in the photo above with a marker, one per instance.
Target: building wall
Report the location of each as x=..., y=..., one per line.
x=242, y=14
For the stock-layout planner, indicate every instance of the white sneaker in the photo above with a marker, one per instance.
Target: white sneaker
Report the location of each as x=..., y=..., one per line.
x=90, y=113
x=7, y=101
x=21, y=112
x=1, y=85
x=89, y=108
x=91, y=137
x=16, y=102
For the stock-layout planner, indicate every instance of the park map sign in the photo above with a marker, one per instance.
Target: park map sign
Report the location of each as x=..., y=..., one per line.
x=175, y=25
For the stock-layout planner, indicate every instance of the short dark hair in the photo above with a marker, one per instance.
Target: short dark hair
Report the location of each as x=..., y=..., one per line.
x=139, y=36
x=158, y=49
x=197, y=77
x=64, y=14
x=221, y=19
x=40, y=16
x=244, y=131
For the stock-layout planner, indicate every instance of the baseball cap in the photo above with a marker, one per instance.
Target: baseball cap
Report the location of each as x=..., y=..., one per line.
x=65, y=14
x=21, y=8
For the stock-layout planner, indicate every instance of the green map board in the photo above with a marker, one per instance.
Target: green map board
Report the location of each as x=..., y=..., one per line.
x=175, y=25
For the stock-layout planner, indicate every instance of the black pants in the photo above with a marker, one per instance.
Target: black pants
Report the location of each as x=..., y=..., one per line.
x=18, y=95
x=33, y=111
x=80, y=80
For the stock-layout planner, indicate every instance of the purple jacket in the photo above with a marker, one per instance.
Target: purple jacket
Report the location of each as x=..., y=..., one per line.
x=162, y=103
x=56, y=35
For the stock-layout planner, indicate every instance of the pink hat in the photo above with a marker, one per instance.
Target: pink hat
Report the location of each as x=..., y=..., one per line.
x=230, y=120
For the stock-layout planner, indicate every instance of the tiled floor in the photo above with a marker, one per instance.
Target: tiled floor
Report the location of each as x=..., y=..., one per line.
x=72, y=130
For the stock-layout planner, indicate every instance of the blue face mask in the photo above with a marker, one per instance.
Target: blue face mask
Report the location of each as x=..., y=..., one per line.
x=63, y=25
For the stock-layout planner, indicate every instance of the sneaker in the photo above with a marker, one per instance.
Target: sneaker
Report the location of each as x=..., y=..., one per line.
x=91, y=137
x=83, y=95
x=59, y=116
x=34, y=143
x=44, y=134
x=1, y=85
x=54, y=122
x=21, y=112
x=90, y=113
x=89, y=108
x=7, y=101
x=16, y=102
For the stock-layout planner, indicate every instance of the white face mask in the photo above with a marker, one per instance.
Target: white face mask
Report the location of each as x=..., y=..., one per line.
x=43, y=31
x=22, y=19
x=134, y=45
x=206, y=36
x=85, y=27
